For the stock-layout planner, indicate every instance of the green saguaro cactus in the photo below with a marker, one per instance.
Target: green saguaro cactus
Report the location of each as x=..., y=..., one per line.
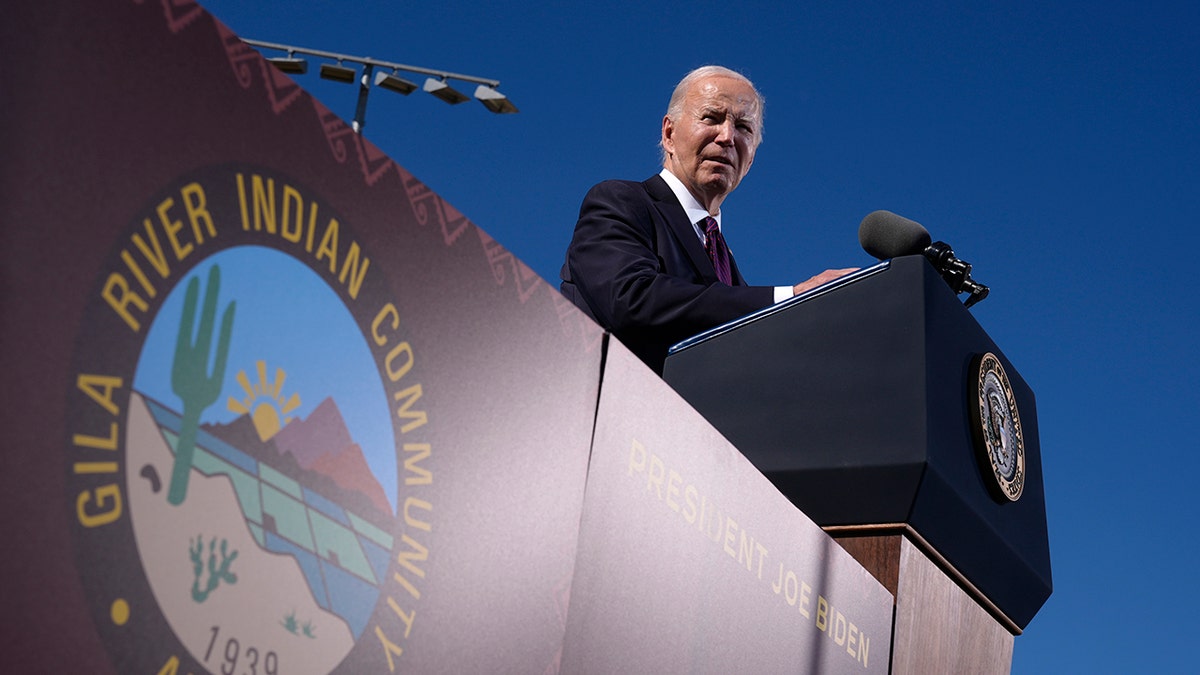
x=190, y=378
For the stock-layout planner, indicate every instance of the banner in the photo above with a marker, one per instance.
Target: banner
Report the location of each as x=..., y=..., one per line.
x=690, y=561
x=275, y=406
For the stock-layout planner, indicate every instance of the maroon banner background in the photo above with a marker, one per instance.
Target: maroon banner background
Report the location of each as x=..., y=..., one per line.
x=130, y=122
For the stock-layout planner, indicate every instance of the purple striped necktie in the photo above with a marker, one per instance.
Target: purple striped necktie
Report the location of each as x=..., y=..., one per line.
x=718, y=251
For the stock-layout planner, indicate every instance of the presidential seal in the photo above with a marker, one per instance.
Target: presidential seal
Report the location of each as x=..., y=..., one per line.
x=996, y=426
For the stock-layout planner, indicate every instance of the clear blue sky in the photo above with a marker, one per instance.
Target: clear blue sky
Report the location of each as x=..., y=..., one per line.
x=1056, y=146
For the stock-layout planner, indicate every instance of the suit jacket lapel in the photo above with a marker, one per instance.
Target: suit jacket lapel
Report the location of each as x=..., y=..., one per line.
x=681, y=227
x=684, y=232
x=738, y=279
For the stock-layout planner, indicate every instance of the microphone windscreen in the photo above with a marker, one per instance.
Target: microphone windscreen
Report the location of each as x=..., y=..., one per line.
x=885, y=235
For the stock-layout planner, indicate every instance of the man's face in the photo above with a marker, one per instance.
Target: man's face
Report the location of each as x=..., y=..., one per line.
x=711, y=146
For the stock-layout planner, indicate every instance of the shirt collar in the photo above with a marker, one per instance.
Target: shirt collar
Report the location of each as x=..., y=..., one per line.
x=691, y=206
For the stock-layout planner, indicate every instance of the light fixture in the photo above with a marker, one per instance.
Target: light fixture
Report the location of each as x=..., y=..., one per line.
x=290, y=64
x=449, y=94
x=395, y=83
x=494, y=100
x=337, y=72
x=386, y=75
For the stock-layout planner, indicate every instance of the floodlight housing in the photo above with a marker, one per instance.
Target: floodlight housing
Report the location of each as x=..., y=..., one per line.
x=290, y=64
x=395, y=83
x=449, y=94
x=494, y=100
x=338, y=72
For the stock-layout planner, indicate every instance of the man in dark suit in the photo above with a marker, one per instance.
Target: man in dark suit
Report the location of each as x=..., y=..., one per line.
x=648, y=261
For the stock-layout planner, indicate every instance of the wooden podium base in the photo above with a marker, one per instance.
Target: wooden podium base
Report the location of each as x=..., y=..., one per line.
x=942, y=623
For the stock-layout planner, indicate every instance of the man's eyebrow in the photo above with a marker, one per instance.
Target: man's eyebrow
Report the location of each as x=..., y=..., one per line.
x=727, y=111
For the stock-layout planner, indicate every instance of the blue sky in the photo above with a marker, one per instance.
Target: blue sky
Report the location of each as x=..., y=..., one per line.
x=1053, y=145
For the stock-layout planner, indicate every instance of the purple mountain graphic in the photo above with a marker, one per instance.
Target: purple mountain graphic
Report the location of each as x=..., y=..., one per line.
x=322, y=444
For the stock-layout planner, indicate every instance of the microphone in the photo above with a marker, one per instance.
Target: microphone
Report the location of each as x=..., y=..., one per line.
x=885, y=235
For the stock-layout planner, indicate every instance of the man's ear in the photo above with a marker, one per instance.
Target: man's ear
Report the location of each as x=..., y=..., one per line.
x=668, y=131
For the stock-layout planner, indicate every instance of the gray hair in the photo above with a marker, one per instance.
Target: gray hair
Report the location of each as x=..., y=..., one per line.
x=675, y=105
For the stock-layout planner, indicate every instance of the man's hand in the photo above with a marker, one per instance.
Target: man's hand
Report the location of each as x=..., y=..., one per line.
x=827, y=275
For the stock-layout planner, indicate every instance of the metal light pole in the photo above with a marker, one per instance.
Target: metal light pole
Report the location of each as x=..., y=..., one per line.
x=436, y=84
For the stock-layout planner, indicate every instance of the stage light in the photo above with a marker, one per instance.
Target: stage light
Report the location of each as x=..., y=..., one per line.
x=338, y=72
x=494, y=100
x=290, y=64
x=395, y=83
x=449, y=94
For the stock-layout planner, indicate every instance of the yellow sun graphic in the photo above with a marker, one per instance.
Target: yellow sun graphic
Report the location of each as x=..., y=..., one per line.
x=265, y=401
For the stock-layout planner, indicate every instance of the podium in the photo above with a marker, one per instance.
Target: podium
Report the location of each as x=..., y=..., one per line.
x=857, y=401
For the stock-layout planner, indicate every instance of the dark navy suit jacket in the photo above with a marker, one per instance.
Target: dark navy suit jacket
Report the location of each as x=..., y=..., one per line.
x=636, y=266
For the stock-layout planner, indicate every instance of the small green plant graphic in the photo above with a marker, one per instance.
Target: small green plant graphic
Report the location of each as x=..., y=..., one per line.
x=217, y=572
x=293, y=626
x=190, y=379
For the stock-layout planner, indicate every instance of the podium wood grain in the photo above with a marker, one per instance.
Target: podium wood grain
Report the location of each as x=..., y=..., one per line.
x=938, y=627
